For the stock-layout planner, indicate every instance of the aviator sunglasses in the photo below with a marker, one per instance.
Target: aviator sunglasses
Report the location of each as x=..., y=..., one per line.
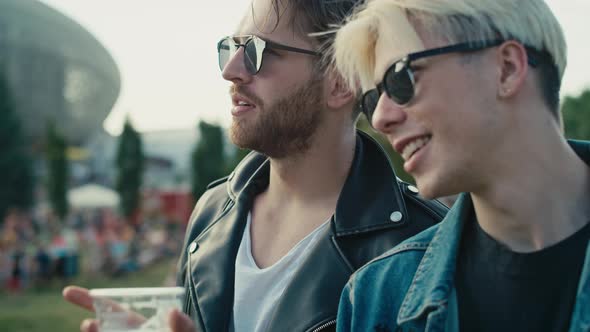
x=398, y=80
x=254, y=48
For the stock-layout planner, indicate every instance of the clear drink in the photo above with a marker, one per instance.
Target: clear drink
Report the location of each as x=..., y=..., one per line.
x=135, y=309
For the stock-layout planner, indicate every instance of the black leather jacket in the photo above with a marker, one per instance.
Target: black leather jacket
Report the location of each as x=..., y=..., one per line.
x=375, y=212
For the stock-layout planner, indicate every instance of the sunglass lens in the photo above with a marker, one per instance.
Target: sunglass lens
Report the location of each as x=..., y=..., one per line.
x=370, y=100
x=225, y=50
x=399, y=85
x=251, y=58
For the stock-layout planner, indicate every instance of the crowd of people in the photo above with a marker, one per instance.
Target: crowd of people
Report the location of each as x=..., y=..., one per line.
x=36, y=249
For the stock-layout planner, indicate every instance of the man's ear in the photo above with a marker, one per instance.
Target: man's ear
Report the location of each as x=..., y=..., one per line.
x=513, y=65
x=338, y=93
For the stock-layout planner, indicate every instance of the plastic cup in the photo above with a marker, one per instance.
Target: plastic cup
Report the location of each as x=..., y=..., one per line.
x=135, y=309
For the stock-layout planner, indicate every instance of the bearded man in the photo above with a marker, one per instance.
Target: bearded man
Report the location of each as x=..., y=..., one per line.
x=270, y=247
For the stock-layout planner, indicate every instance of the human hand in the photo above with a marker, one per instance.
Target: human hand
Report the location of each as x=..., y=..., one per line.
x=180, y=322
x=81, y=297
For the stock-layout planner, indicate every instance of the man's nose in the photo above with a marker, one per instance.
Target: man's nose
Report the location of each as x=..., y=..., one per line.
x=235, y=70
x=387, y=114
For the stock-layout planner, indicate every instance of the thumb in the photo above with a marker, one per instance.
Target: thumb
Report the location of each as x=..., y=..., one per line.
x=179, y=322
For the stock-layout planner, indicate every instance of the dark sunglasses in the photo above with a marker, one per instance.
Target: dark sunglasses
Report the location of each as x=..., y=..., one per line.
x=398, y=80
x=254, y=48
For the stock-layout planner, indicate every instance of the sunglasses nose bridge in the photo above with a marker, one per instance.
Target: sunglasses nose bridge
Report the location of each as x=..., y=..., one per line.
x=250, y=44
x=235, y=68
x=227, y=50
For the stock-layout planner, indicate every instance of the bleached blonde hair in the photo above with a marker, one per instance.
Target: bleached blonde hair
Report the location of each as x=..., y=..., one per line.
x=530, y=22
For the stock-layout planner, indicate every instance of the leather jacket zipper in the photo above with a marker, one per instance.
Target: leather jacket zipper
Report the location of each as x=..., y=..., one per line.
x=325, y=326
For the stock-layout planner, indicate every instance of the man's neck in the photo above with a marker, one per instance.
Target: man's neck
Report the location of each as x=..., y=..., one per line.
x=540, y=200
x=302, y=194
x=316, y=175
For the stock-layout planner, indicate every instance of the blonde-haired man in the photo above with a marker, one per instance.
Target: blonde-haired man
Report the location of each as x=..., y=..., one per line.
x=270, y=247
x=467, y=91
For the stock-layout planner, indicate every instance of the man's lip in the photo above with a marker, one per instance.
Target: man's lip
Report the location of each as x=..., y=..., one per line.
x=400, y=144
x=237, y=98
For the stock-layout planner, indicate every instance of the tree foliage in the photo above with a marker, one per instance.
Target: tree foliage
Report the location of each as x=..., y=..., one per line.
x=208, y=158
x=57, y=166
x=16, y=170
x=576, y=116
x=130, y=166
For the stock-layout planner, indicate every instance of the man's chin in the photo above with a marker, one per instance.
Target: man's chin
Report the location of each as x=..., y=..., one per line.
x=244, y=138
x=430, y=190
x=240, y=141
x=267, y=146
x=237, y=133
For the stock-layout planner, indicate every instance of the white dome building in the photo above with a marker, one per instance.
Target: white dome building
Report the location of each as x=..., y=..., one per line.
x=57, y=71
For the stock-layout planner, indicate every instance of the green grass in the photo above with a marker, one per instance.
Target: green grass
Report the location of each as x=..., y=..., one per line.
x=44, y=310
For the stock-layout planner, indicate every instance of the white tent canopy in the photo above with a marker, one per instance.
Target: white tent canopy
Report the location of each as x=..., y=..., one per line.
x=91, y=196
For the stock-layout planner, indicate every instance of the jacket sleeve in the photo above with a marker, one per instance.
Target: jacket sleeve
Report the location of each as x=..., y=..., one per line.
x=344, y=319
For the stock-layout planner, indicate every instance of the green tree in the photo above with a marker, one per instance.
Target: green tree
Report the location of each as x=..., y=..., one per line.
x=16, y=170
x=394, y=157
x=57, y=164
x=576, y=116
x=208, y=158
x=130, y=166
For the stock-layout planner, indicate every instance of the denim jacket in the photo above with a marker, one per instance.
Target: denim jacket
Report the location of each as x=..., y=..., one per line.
x=410, y=288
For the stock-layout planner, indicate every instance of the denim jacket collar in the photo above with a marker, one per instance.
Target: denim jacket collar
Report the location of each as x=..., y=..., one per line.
x=581, y=316
x=433, y=282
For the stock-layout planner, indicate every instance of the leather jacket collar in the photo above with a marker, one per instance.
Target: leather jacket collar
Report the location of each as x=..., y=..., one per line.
x=369, y=187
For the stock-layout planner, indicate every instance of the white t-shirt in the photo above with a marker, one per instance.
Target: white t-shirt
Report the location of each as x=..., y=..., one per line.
x=256, y=291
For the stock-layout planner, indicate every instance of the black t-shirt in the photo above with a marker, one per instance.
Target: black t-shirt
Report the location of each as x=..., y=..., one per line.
x=500, y=290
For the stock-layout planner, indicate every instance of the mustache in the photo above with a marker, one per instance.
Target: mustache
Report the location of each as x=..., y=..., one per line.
x=240, y=90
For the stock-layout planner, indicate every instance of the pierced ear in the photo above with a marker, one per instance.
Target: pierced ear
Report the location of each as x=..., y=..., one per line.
x=512, y=58
x=338, y=92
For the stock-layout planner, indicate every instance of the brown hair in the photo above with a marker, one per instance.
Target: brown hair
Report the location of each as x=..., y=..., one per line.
x=310, y=18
